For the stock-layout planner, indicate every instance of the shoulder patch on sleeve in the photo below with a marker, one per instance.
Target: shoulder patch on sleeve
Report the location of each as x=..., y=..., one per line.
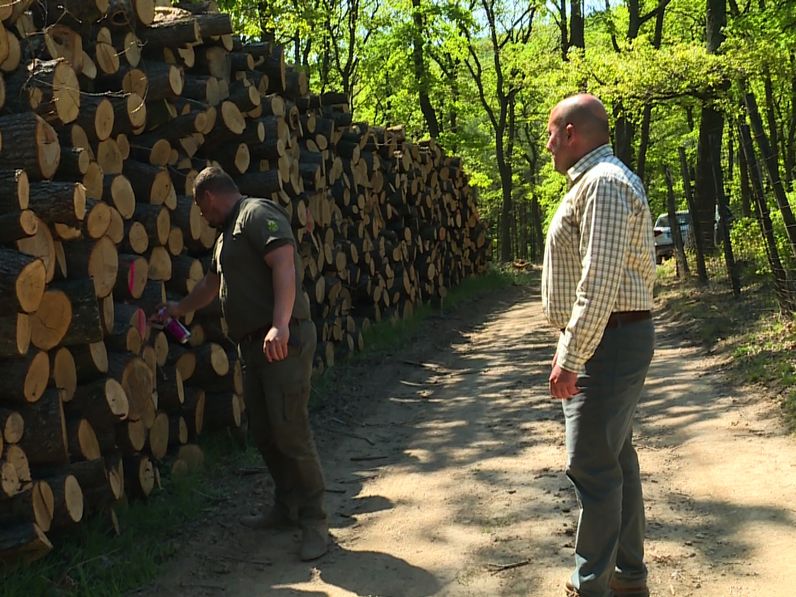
x=273, y=226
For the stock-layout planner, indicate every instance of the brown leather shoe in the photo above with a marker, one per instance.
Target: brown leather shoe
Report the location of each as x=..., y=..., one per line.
x=274, y=518
x=314, y=540
x=633, y=588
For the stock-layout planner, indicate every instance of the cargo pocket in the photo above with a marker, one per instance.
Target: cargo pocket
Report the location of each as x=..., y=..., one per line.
x=294, y=404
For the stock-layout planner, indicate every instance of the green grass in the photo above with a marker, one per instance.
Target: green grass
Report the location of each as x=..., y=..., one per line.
x=760, y=340
x=92, y=561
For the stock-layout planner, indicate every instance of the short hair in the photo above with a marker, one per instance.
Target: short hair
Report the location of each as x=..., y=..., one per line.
x=215, y=180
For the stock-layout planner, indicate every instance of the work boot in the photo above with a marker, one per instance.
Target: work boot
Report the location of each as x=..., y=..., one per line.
x=314, y=540
x=273, y=518
x=629, y=588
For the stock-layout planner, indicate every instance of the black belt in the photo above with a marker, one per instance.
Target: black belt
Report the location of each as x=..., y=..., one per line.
x=618, y=319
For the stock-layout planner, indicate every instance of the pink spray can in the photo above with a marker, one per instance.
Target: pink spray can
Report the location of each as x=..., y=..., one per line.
x=173, y=327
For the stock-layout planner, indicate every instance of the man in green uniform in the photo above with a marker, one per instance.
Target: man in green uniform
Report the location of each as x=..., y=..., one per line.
x=256, y=272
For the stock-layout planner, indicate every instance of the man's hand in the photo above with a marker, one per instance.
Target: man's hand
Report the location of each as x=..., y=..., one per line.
x=563, y=383
x=172, y=310
x=275, y=343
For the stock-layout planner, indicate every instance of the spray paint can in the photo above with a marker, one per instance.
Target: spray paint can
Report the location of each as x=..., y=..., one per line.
x=173, y=327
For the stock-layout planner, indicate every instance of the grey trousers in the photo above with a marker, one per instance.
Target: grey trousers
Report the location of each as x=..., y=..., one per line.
x=602, y=463
x=276, y=396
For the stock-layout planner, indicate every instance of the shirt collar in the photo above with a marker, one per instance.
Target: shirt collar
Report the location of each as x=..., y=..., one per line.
x=233, y=214
x=589, y=160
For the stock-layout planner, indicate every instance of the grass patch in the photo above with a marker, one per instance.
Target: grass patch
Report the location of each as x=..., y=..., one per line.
x=91, y=560
x=750, y=329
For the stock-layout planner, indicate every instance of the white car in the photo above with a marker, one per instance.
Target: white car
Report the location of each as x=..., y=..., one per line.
x=664, y=245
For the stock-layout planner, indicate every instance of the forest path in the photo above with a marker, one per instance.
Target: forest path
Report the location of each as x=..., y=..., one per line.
x=445, y=462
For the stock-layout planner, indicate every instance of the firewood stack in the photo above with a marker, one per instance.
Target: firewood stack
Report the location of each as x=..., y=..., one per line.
x=110, y=109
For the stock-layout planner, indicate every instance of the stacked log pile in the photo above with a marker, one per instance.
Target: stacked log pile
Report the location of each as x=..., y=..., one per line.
x=110, y=109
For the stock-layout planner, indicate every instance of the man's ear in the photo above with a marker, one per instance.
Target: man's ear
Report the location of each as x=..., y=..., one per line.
x=570, y=130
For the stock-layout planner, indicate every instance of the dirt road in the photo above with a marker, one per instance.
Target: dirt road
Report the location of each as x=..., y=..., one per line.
x=444, y=466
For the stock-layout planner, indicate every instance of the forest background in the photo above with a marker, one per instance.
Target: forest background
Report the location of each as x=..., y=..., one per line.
x=680, y=79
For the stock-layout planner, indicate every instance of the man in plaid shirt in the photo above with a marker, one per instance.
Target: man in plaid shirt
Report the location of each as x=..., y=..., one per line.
x=599, y=269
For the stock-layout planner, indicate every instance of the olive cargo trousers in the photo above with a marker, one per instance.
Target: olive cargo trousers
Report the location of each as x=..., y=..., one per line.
x=276, y=396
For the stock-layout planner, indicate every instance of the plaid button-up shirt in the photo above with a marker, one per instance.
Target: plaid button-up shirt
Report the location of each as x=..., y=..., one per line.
x=599, y=255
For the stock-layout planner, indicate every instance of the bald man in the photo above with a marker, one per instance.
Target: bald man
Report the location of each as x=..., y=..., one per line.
x=599, y=268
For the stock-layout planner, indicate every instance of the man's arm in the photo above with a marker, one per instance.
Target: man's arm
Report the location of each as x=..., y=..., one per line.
x=283, y=267
x=202, y=295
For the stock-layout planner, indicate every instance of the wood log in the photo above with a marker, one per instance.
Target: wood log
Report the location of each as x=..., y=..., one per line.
x=25, y=379
x=96, y=116
x=14, y=190
x=151, y=183
x=50, y=322
x=14, y=335
x=166, y=81
x=193, y=411
x=48, y=87
x=159, y=264
x=131, y=436
x=40, y=245
x=97, y=220
x=184, y=360
x=158, y=439
x=68, y=500
x=82, y=441
x=22, y=280
x=93, y=479
x=95, y=259
x=178, y=431
x=44, y=440
x=109, y=156
x=202, y=89
x=63, y=372
x=18, y=459
x=91, y=361
x=10, y=484
x=259, y=184
x=171, y=395
x=130, y=111
x=132, y=277
x=211, y=362
x=59, y=202
x=186, y=273
x=139, y=475
x=117, y=191
x=157, y=222
x=137, y=381
x=222, y=410
x=74, y=163
x=86, y=323
x=136, y=239
x=12, y=425
x=102, y=403
x=75, y=13
x=23, y=543
x=171, y=33
x=214, y=25
x=34, y=504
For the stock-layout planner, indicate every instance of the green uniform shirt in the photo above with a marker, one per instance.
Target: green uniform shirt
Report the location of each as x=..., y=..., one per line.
x=252, y=229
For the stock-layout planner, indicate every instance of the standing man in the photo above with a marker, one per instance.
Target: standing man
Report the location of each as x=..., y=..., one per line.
x=599, y=269
x=256, y=273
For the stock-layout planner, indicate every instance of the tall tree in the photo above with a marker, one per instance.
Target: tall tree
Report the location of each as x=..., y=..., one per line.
x=711, y=129
x=499, y=101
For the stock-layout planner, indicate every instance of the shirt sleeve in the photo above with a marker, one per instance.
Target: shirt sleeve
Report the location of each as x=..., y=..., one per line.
x=267, y=228
x=603, y=250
